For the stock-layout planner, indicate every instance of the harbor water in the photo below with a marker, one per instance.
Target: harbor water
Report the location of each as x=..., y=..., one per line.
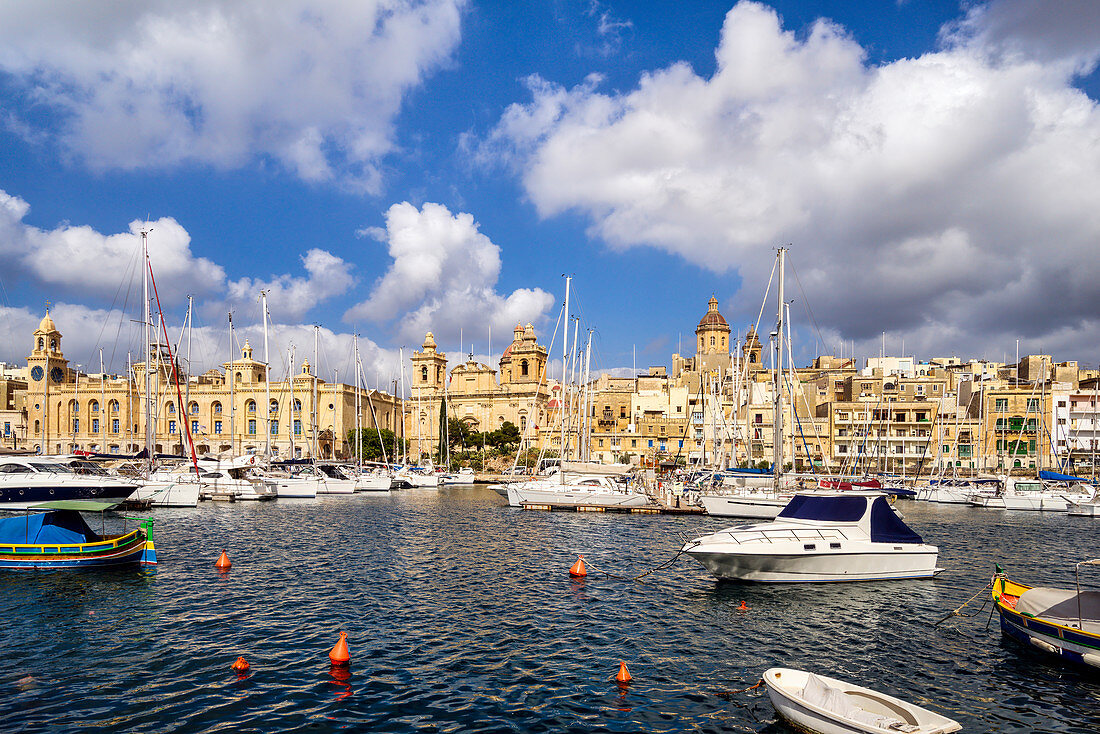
x=461, y=618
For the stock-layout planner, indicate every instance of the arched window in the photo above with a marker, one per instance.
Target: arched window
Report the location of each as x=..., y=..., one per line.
x=93, y=407
x=712, y=341
x=250, y=407
x=437, y=373
x=273, y=407
x=113, y=406
x=523, y=368
x=752, y=356
x=170, y=408
x=424, y=373
x=53, y=344
x=297, y=405
x=41, y=343
x=523, y=423
x=74, y=407
x=37, y=426
x=216, y=408
x=238, y=377
x=193, y=408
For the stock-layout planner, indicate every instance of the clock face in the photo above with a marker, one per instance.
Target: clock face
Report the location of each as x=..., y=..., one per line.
x=57, y=374
x=36, y=373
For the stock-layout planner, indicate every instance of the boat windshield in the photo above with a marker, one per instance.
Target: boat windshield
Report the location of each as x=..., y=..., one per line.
x=1028, y=487
x=825, y=509
x=57, y=468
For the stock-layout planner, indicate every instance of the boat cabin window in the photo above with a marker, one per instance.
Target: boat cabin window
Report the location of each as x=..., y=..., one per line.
x=212, y=475
x=61, y=468
x=825, y=509
x=14, y=469
x=809, y=546
x=1029, y=487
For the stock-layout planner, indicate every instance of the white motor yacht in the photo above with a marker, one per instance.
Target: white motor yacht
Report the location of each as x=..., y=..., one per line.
x=1033, y=494
x=464, y=477
x=957, y=492
x=26, y=481
x=825, y=536
x=752, y=502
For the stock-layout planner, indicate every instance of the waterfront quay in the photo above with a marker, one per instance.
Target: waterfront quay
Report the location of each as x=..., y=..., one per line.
x=461, y=616
x=897, y=415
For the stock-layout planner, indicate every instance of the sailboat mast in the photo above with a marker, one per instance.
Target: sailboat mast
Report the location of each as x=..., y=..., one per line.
x=187, y=387
x=267, y=383
x=587, y=373
x=102, y=395
x=777, y=441
x=358, y=413
x=148, y=357
x=564, y=363
x=290, y=379
x=231, y=377
x=401, y=386
x=316, y=413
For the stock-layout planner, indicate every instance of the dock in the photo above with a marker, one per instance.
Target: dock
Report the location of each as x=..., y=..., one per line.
x=652, y=509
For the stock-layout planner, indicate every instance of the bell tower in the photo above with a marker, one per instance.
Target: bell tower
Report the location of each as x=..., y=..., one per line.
x=429, y=367
x=46, y=364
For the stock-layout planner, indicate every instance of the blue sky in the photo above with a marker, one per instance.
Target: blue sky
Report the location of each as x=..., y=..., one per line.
x=385, y=168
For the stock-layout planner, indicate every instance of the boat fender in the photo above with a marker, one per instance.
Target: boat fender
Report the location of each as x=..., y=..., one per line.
x=1043, y=645
x=1091, y=658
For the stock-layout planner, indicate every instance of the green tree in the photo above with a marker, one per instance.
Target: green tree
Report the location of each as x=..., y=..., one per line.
x=372, y=448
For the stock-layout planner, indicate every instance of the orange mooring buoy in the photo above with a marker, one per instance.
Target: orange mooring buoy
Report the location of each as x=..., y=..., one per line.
x=339, y=654
x=623, y=676
x=241, y=665
x=578, y=569
x=222, y=564
x=744, y=607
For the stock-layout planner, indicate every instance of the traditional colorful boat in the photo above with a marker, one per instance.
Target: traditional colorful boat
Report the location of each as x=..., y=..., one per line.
x=1063, y=622
x=60, y=538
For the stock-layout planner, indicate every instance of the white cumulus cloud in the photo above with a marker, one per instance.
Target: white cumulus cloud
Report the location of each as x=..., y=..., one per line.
x=313, y=84
x=290, y=297
x=953, y=192
x=443, y=278
x=78, y=259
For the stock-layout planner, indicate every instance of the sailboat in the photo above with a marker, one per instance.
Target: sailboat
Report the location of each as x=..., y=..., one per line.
x=580, y=482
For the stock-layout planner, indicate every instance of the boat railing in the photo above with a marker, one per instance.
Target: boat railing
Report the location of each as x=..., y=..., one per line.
x=787, y=534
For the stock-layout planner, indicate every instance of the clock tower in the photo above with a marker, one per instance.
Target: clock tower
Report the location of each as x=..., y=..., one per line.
x=46, y=365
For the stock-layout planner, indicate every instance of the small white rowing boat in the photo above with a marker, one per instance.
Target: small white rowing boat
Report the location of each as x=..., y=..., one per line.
x=828, y=706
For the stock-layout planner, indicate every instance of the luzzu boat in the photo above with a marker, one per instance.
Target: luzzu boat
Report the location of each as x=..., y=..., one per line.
x=60, y=538
x=1063, y=622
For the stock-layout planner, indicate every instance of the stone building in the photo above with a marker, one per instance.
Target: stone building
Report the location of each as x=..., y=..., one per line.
x=473, y=394
x=65, y=410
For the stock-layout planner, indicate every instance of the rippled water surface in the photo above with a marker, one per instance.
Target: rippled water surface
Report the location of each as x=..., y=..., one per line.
x=461, y=618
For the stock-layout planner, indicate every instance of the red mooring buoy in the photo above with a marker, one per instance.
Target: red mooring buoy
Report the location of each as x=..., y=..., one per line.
x=340, y=654
x=241, y=666
x=578, y=570
x=623, y=676
x=223, y=564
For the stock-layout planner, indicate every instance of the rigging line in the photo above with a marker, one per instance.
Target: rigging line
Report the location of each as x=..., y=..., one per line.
x=103, y=326
x=534, y=401
x=125, y=307
x=809, y=310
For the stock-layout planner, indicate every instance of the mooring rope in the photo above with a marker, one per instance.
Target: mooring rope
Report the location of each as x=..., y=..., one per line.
x=957, y=611
x=639, y=577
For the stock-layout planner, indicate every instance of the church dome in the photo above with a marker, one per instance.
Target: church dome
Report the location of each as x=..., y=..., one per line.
x=712, y=319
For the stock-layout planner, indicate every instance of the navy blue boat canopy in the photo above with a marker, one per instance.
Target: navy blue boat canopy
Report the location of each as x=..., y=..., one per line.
x=1053, y=476
x=825, y=509
x=43, y=528
x=887, y=527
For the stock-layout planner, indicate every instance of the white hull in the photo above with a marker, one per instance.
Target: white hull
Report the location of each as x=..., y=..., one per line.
x=420, y=481
x=580, y=496
x=762, y=508
x=857, y=565
x=373, y=483
x=169, y=494
x=336, y=486
x=946, y=496
x=1084, y=509
x=785, y=689
x=298, y=490
x=1038, y=502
